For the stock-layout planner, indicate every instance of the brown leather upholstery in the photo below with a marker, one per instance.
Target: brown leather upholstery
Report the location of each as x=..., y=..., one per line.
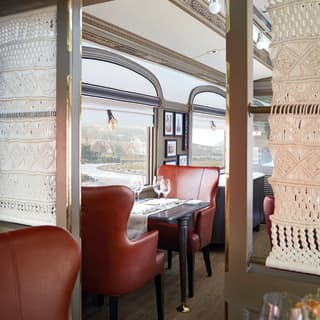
x=268, y=208
x=188, y=182
x=38, y=269
x=112, y=264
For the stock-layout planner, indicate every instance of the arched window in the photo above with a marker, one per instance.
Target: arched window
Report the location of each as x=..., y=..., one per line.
x=208, y=126
x=119, y=97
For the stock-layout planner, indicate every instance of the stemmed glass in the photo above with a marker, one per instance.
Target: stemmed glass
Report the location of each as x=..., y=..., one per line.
x=137, y=186
x=280, y=306
x=165, y=187
x=157, y=180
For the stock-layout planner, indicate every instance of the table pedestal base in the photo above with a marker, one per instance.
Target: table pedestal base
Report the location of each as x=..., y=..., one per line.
x=183, y=308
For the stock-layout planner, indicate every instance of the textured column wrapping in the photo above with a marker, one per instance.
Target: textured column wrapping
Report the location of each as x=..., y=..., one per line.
x=27, y=117
x=295, y=135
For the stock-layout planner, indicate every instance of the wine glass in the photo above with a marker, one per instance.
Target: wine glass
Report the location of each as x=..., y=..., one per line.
x=157, y=185
x=165, y=187
x=137, y=186
x=280, y=306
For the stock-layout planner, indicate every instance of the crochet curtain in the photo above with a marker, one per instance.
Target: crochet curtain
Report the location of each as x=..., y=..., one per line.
x=28, y=117
x=295, y=135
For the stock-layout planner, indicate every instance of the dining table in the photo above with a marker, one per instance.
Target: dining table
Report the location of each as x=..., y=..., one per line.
x=172, y=211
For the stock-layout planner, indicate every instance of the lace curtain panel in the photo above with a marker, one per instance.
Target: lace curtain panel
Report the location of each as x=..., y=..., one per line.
x=295, y=135
x=27, y=117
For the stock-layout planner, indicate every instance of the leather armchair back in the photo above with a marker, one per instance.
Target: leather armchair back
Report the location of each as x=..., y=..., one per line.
x=188, y=182
x=268, y=208
x=112, y=264
x=38, y=269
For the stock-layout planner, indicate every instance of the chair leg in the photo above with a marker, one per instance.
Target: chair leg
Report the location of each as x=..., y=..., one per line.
x=190, y=259
x=100, y=300
x=159, y=294
x=169, y=255
x=206, y=257
x=113, y=307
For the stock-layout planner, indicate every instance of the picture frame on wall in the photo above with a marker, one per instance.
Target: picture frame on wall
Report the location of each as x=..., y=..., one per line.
x=170, y=162
x=171, y=148
x=183, y=160
x=178, y=124
x=185, y=137
x=168, y=123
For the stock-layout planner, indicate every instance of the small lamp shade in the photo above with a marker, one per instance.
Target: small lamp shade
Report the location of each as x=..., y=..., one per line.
x=214, y=6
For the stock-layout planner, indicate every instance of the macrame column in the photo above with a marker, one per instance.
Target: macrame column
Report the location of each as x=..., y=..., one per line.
x=27, y=117
x=295, y=135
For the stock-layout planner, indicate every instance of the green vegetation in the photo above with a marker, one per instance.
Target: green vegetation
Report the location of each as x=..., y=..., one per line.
x=122, y=149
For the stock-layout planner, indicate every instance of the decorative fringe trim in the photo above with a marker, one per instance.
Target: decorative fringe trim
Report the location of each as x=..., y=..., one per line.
x=297, y=109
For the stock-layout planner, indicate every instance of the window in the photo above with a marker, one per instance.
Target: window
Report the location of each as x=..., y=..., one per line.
x=262, y=160
x=208, y=140
x=118, y=156
x=115, y=86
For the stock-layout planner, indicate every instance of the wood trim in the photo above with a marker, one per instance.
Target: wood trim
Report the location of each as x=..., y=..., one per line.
x=201, y=89
x=97, y=91
x=91, y=2
x=109, y=35
x=107, y=56
x=200, y=11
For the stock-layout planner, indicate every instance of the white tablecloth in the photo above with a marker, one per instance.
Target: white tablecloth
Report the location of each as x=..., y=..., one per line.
x=138, y=219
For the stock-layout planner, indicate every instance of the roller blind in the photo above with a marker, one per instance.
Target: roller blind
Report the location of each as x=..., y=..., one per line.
x=204, y=121
x=94, y=110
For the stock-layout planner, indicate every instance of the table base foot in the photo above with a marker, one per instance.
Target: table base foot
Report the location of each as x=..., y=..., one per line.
x=183, y=308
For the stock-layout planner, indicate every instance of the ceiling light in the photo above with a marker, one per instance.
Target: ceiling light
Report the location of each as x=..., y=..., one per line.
x=112, y=121
x=214, y=6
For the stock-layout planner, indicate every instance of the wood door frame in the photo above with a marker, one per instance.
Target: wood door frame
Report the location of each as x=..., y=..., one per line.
x=245, y=282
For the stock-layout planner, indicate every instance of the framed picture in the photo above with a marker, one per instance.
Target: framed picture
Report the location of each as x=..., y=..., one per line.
x=185, y=136
x=171, y=148
x=178, y=124
x=168, y=123
x=170, y=162
x=183, y=160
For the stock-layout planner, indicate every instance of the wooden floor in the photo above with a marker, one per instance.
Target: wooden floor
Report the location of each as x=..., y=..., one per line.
x=207, y=303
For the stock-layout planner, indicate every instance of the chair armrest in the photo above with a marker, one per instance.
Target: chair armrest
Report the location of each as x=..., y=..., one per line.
x=203, y=225
x=142, y=250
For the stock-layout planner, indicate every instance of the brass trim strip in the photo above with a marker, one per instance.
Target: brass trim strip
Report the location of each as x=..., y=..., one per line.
x=253, y=110
x=68, y=155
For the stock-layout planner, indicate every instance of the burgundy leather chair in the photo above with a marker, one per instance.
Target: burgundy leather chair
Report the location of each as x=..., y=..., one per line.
x=188, y=182
x=38, y=269
x=113, y=265
x=268, y=209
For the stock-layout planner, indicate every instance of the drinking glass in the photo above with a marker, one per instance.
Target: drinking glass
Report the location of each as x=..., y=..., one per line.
x=311, y=307
x=280, y=306
x=165, y=187
x=137, y=186
x=157, y=185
